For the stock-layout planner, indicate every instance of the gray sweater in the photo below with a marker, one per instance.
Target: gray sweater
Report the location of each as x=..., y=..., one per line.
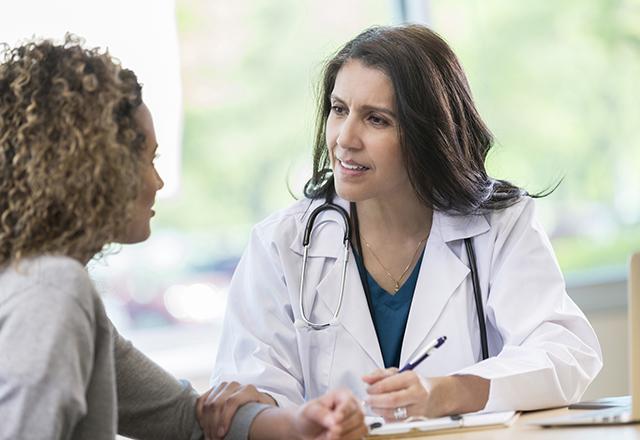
x=66, y=373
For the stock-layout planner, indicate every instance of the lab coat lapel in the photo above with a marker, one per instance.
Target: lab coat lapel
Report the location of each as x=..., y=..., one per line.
x=441, y=273
x=327, y=244
x=354, y=316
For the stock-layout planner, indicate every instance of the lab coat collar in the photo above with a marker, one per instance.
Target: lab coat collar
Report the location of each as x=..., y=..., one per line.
x=329, y=223
x=459, y=227
x=327, y=231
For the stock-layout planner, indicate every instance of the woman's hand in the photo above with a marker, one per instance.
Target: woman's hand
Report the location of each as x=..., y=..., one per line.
x=336, y=415
x=215, y=408
x=390, y=391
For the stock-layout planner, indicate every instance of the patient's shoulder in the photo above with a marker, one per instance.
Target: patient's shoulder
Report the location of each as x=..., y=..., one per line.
x=47, y=281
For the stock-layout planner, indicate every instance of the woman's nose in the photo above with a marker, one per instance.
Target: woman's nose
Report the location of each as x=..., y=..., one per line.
x=159, y=181
x=349, y=134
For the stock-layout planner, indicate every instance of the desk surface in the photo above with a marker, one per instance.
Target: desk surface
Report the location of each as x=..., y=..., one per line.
x=520, y=430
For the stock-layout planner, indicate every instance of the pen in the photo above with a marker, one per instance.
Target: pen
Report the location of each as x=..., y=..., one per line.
x=422, y=355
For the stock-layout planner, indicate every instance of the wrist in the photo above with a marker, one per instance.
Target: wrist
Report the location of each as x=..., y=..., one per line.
x=442, y=396
x=275, y=423
x=470, y=392
x=294, y=430
x=457, y=394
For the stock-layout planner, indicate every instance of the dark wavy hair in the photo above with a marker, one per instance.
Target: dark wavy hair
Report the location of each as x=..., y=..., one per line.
x=443, y=139
x=70, y=149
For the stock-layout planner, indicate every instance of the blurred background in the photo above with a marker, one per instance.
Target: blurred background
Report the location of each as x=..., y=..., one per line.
x=231, y=86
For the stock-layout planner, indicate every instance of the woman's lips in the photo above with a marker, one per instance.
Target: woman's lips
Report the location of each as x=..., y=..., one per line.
x=351, y=169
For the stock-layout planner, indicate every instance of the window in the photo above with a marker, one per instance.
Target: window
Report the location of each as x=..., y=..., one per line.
x=249, y=71
x=557, y=83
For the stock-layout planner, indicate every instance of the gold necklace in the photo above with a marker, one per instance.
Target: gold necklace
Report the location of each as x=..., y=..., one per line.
x=396, y=282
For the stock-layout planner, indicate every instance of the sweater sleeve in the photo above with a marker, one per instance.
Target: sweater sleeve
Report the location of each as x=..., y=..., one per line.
x=152, y=404
x=47, y=348
x=242, y=420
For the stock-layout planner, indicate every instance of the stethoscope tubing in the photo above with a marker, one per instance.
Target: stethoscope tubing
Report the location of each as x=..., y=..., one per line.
x=306, y=242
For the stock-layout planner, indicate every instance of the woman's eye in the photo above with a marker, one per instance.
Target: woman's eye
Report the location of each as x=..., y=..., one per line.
x=338, y=110
x=376, y=120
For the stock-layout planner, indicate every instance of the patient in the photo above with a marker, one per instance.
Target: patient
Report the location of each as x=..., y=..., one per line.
x=77, y=146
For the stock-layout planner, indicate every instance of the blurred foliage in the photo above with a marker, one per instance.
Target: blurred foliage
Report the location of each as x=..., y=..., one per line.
x=557, y=82
x=249, y=92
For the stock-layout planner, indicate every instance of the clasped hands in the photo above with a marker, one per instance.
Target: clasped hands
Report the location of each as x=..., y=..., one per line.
x=336, y=415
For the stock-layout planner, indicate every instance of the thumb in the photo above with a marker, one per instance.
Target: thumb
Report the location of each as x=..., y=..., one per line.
x=200, y=403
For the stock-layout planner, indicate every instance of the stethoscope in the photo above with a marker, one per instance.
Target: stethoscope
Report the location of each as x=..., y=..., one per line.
x=306, y=244
x=328, y=205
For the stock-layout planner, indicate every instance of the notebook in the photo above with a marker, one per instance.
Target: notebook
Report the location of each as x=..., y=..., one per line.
x=412, y=427
x=629, y=412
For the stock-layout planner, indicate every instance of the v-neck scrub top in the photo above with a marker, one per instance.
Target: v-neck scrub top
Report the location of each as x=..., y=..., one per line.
x=390, y=312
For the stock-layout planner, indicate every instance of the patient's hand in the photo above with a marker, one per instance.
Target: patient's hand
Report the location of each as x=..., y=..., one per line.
x=335, y=415
x=215, y=408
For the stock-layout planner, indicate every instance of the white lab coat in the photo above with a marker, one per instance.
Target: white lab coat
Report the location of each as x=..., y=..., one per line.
x=543, y=350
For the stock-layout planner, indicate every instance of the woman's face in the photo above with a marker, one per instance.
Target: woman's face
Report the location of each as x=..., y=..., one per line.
x=139, y=228
x=363, y=136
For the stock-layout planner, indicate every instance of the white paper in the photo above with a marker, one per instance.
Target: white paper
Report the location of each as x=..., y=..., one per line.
x=469, y=420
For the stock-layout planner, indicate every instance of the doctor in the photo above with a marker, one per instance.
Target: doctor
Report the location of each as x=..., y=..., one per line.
x=401, y=147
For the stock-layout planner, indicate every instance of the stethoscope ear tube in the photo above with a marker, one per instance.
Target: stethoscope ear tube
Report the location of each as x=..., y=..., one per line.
x=308, y=230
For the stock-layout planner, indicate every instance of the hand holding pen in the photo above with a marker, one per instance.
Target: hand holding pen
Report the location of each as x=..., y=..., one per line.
x=397, y=394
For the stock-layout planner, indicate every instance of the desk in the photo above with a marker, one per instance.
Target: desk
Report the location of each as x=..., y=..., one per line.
x=520, y=430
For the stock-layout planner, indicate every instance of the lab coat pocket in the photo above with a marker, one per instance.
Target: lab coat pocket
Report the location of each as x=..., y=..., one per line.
x=316, y=348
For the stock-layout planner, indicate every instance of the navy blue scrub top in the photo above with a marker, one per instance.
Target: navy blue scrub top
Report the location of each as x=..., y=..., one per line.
x=390, y=313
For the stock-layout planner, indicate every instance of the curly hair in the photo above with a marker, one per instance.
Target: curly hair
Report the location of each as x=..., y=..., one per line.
x=69, y=149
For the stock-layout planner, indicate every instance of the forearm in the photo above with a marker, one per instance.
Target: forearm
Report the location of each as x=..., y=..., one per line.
x=457, y=394
x=273, y=423
x=151, y=402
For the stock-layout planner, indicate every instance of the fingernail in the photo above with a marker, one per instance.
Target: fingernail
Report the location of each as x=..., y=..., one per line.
x=221, y=431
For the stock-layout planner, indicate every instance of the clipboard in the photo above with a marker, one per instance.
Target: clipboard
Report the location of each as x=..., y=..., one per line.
x=467, y=422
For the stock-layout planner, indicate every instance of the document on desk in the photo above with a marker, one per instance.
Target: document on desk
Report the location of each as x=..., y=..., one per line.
x=472, y=421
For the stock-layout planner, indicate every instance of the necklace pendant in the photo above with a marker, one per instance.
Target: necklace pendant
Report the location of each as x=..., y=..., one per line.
x=397, y=287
